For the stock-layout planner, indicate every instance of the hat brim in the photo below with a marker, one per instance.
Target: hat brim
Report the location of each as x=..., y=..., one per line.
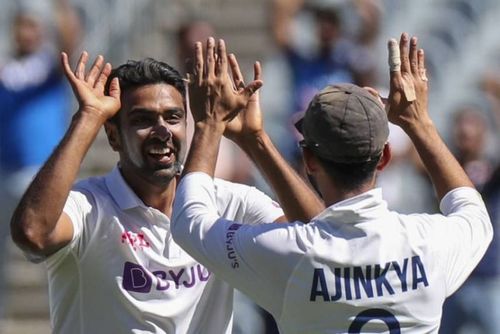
x=299, y=125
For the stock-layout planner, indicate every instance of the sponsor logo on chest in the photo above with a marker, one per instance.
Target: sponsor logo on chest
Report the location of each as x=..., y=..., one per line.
x=137, y=278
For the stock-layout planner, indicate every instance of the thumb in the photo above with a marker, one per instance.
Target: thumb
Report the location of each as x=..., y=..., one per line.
x=254, y=99
x=114, y=88
x=252, y=87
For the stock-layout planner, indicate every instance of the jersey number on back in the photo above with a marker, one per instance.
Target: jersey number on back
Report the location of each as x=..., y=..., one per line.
x=375, y=314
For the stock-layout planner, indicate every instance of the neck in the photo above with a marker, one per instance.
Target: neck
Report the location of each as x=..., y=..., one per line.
x=333, y=193
x=158, y=196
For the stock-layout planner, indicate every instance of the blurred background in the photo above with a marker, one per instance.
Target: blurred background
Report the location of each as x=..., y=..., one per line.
x=303, y=45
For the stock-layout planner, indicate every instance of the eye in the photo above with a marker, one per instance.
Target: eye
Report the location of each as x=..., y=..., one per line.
x=175, y=118
x=141, y=120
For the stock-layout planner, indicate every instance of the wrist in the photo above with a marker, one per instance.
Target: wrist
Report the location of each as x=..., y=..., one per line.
x=91, y=115
x=210, y=126
x=252, y=142
x=89, y=118
x=419, y=128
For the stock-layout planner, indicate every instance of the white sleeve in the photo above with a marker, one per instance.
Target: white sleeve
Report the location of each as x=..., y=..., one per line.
x=246, y=256
x=464, y=235
x=261, y=208
x=81, y=208
x=245, y=204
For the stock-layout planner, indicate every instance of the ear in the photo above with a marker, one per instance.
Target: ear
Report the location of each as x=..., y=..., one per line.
x=113, y=135
x=311, y=163
x=385, y=158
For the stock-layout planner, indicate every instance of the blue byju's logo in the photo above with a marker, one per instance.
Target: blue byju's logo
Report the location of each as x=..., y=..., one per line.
x=136, y=278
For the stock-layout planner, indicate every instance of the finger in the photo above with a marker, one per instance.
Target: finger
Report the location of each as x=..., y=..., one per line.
x=114, y=88
x=373, y=92
x=66, y=67
x=394, y=66
x=413, y=56
x=394, y=56
x=103, y=77
x=95, y=70
x=189, y=65
x=421, y=65
x=238, y=81
x=198, y=65
x=252, y=87
x=257, y=71
x=385, y=102
x=80, y=67
x=403, y=50
x=210, y=62
x=222, y=59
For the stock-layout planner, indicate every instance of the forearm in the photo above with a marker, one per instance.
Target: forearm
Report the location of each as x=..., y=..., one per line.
x=297, y=199
x=41, y=206
x=445, y=171
x=202, y=156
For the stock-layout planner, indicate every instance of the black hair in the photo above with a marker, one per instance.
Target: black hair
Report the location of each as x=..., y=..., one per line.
x=144, y=72
x=350, y=176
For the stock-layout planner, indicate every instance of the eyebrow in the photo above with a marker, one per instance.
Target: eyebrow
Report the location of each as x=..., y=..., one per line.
x=142, y=110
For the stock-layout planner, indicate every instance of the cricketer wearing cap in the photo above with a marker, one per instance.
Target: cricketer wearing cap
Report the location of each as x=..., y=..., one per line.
x=356, y=267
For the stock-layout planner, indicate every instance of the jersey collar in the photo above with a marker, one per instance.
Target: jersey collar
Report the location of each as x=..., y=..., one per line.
x=123, y=195
x=367, y=205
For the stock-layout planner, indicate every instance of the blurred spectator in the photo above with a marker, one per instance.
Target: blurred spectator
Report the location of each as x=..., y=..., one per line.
x=406, y=171
x=323, y=42
x=470, y=132
x=34, y=99
x=476, y=306
x=313, y=66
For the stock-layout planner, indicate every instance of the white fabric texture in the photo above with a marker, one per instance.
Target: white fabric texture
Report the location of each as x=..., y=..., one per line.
x=123, y=273
x=357, y=267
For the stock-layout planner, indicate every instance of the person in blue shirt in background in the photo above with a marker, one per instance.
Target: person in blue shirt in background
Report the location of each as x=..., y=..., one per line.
x=35, y=98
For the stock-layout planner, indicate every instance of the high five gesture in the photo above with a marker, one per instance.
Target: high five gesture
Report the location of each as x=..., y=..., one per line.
x=89, y=87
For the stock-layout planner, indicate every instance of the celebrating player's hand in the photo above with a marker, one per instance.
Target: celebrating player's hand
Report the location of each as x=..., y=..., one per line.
x=89, y=87
x=407, y=101
x=212, y=95
x=249, y=121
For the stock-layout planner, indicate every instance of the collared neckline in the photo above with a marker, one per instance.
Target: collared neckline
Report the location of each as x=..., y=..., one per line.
x=363, y=206
x=121, y=192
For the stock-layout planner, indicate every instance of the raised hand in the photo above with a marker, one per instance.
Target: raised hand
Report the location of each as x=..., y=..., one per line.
x=247, y=123
x=89, y=87
x=212, y=95
x=408, y=96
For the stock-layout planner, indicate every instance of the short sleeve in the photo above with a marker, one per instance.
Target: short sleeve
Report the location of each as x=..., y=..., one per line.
x=81, y=209
x=261, y=208
x=463, y=236
x=245, y=204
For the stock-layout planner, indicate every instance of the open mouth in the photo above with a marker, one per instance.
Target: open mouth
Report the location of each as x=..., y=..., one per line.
x=162, y=155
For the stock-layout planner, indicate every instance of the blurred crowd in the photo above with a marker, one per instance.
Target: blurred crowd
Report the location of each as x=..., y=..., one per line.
x=314, y=43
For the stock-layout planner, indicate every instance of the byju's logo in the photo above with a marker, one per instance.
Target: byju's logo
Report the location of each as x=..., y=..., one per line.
x=138, y=279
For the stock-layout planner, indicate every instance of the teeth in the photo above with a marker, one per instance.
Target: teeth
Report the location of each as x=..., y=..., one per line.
x=164, y=150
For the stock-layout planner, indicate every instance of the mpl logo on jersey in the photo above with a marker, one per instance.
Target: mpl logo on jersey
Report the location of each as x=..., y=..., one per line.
x=136, y=240
x=136, y=278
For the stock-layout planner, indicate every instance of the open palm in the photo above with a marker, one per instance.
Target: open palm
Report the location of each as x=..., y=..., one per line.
x=248, y=122
x=89, y=87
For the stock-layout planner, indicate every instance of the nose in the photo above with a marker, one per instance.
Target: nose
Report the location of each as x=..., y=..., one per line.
x=161, y=130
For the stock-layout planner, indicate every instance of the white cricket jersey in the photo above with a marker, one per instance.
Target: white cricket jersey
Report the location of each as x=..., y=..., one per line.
x=356, y=268
x=123, y=273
